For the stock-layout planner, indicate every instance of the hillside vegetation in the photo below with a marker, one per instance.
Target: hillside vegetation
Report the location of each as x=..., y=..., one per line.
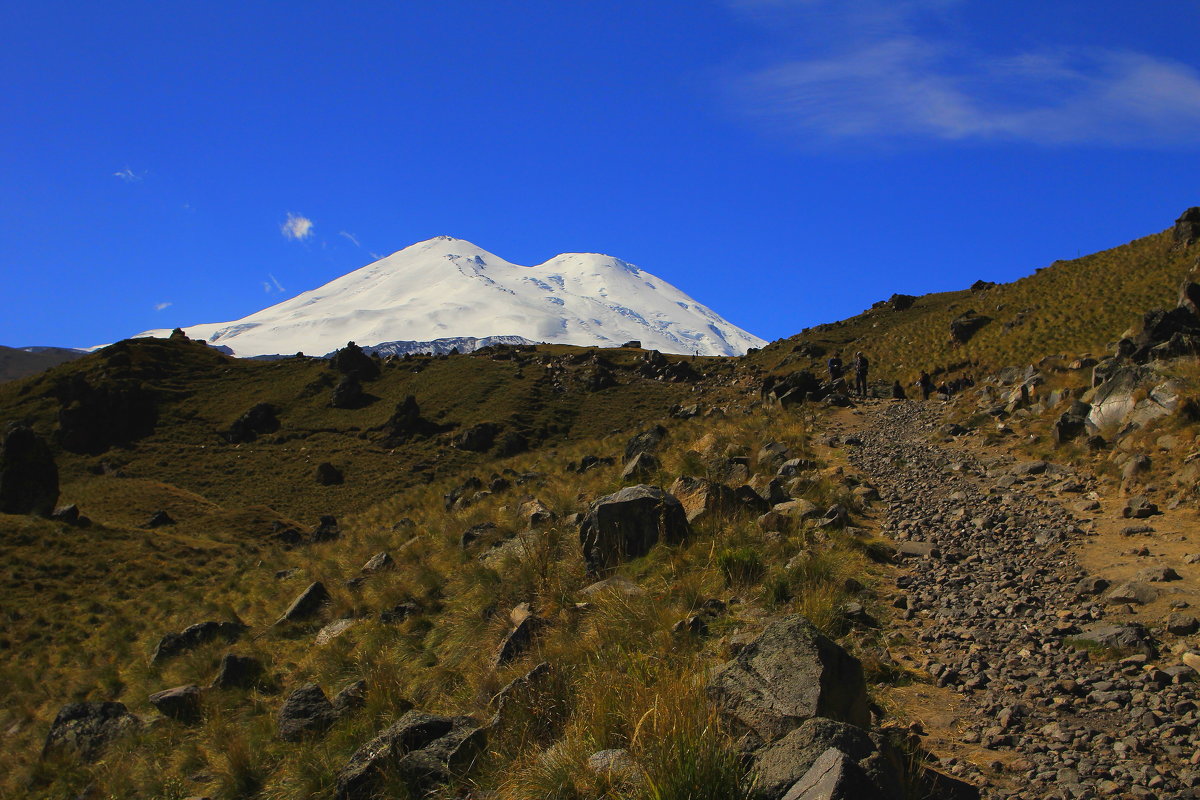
x=470, y=473
x=1071, y=307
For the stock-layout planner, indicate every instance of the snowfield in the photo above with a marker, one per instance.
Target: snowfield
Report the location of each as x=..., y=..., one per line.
x=447, y=287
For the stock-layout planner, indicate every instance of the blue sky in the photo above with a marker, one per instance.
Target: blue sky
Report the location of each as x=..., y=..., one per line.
x=786, y=162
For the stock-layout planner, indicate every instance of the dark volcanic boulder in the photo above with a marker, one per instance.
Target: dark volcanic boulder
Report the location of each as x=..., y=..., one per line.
x=28, y=474
x=1159, y=326
x=191, y=637
x=421, y=749
x=789, y=674
x=1187, y=227
x=351, y=360
x=237, y=672
x=835, y=776
x=645, y=442
x=628, y=523
x=901, y=302
x=966, y=325
x=791, y=389
x=307, y=604
x=249, y=426
x=181, y=703
x=305, y=712
x=478, y=438
x=348, y=393
x=641, y=466
x=778, y=766
x=327, y=474
x=85, y=729
x=406, y=423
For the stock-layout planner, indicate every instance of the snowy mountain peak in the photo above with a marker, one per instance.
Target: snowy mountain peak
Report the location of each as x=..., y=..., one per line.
x=447, y=287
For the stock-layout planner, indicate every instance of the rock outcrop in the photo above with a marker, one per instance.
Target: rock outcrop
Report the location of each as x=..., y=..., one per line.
x=627, y=524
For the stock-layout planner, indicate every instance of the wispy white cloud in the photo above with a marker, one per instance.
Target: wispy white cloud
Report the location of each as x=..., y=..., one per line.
x=161, y=306
x=353, y=239
x=881, y=75
x=128, y=175
x=296, y=227
x=272, y=285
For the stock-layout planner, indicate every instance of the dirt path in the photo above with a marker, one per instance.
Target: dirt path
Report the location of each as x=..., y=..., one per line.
x=1041, y=685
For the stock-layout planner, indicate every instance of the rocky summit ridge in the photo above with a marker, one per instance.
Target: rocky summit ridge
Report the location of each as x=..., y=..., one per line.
x=446, y=287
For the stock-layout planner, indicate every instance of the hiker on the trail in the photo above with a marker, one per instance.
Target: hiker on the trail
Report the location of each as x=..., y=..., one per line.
x=835, y=367
x=926, y=385
x=898, y=391
x=860, y=373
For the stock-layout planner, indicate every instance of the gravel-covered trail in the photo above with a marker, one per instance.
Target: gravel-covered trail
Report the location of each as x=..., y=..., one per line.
x=997, y=611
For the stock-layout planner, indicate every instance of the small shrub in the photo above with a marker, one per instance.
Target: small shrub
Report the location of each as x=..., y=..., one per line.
x=741, y=566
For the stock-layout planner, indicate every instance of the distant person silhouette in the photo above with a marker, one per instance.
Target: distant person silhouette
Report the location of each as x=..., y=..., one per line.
x=898, y=391
x=926, y=384
x=835, y=367
x=860, y=373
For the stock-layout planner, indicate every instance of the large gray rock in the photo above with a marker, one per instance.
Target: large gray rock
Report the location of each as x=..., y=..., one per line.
x=778, y=766
x=421, y=749
x=84, y=730
x=305, y=712
x=628, y=524
x=28, y=474
x=789, y=674
x=834, y=776
x=1114, y=399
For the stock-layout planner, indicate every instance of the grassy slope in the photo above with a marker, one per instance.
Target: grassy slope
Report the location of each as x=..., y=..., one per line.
x=1074, y=307
x=81, y=609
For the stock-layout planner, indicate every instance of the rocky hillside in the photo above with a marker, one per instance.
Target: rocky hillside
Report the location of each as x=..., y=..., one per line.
x=550, y=571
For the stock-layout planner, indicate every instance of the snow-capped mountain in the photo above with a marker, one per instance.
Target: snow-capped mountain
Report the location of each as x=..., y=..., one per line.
x=447, y=287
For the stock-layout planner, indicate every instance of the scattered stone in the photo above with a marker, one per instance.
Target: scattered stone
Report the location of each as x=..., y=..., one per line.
x=642, y=465
x=834, y=776
x=306, y=712
x=420, y=749
x=616, y=584
x=307, y=603
x=327, y=474
x=237, y=672
x=333, y=630
x=780, y=765
x=350, y=699
x=159, y=519
x=85, y=730
x=1159, y=574
x=191, y=637
x=614, y=766
x=1139, y=507
x=1182, y=624
x=181, y=703
x=379, y=562
x=647, y=441
x=1133, y=592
